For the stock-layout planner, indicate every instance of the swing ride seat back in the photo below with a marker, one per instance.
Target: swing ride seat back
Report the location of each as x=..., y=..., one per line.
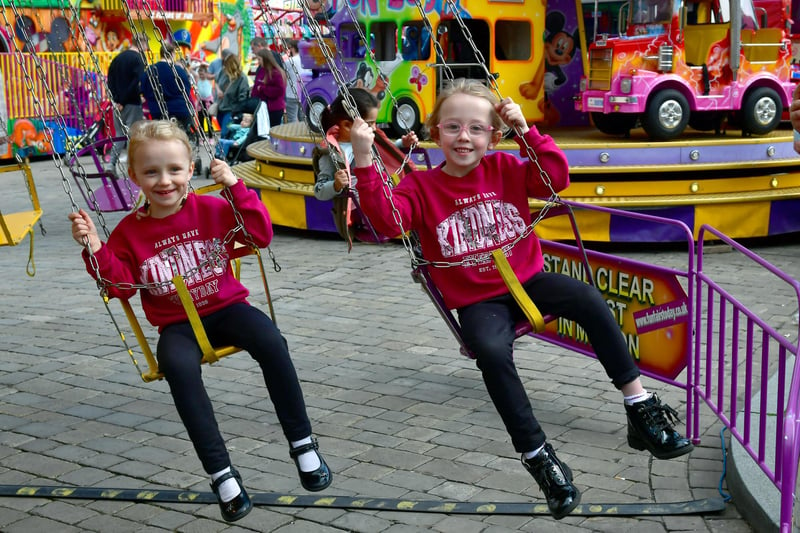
x=14, y=226
x=115, y=193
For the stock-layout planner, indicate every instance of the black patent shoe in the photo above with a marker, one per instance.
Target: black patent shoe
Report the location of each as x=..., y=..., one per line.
x=649, y=429
x=555, y=480
x=315, y=480
x=239, y=506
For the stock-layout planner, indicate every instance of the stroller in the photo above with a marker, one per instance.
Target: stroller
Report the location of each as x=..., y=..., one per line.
x=234, y=149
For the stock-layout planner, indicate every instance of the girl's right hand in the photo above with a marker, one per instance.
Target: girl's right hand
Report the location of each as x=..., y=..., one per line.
x=84, y=230
x=341, y=180
x=361, y=138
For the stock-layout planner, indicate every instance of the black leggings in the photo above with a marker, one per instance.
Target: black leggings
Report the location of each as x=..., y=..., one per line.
x=250, y=329
x=488, y=330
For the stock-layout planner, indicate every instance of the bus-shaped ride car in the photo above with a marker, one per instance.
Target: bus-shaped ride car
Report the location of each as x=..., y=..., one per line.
x=407, y=72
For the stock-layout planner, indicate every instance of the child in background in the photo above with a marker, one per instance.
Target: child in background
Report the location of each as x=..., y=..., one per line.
x=332, y=163
x=205, y=97
x=472, y=204
x=235, y=136
x=174, y=230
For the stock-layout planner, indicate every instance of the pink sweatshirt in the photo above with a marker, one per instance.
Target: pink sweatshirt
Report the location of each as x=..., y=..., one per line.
x=465, y=219
x=152, y=250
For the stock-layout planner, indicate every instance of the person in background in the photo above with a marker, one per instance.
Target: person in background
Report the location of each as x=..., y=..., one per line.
x=215, y=67
x=294, y=73
x=270, y=86
x=205, y=97
x=172, y=87
x=124, y=85
x=236, y=92
x=237, y=133
x=260, y=43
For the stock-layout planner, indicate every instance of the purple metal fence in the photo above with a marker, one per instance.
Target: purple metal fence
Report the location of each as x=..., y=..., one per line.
x=736, y=355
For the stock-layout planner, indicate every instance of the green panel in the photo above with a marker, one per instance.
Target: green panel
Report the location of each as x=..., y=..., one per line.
x=21, y=4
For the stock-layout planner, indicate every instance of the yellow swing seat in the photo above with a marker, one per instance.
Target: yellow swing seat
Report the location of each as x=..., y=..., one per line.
x=211, y=354
x=15, y=226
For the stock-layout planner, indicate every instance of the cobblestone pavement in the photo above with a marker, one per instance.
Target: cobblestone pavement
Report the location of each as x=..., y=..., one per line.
x=398, y=412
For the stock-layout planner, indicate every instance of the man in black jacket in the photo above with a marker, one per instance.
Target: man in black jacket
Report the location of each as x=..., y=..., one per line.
x=123, y=77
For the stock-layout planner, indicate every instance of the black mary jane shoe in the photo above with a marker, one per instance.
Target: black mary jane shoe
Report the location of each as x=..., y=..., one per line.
x=315, y=480
x=238, y=507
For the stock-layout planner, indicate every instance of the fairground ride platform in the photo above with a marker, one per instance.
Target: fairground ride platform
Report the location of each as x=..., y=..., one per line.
x=746, y=187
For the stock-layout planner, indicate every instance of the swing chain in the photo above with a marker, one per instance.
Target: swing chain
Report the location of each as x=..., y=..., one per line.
x=383, y=77
x=347, y=99
x=156, y=84
x=283, y=48
x=492, y=82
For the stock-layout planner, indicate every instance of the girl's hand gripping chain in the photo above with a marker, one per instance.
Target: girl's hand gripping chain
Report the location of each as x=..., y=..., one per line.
x=341, y=180
x=512, y=115
x=361, y=137
x=84, y=230
x=222, y=174
x=410, y=139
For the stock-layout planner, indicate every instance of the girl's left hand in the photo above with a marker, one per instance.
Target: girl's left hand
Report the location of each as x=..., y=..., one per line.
x=221, y=173
x=512, y=115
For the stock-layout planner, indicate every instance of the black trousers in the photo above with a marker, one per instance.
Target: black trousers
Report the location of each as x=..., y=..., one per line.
x=250, y=329
x=488, y=330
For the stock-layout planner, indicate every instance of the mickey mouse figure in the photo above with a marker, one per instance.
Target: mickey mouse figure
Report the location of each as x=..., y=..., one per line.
x=559, y=49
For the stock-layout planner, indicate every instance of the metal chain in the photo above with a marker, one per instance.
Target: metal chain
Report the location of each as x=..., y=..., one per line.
x=283, y=48
x=348, y=102
x=51, y=100
x=409, y=242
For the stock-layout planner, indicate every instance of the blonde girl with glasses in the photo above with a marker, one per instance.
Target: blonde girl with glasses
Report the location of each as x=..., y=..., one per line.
x=472, y=204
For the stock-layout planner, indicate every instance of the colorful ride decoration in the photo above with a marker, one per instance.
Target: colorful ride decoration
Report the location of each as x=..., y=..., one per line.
x=505, y=33
x=691, y=63
x=70, y=60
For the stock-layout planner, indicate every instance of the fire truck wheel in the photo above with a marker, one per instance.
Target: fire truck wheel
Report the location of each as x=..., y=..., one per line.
x=405, y=117
x=614, y=123
x=762, y=111
x=666, y=115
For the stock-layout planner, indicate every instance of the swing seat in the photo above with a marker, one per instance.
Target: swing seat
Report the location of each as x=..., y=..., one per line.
x=16, y=225
x=211, y=354
x=114, y=193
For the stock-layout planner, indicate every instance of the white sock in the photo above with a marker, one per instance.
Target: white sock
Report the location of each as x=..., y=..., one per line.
x=308, y=461
x=534, y=453
x=229, y=488
x=636, y=398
